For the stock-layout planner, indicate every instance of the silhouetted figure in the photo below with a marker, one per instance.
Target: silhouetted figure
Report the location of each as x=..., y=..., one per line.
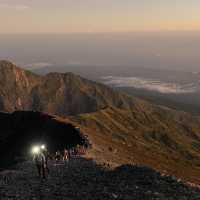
x=65, y=155
x=58, y=156
x=39, y=159
x=69, y=154
x=72, y=152
x=46, y=154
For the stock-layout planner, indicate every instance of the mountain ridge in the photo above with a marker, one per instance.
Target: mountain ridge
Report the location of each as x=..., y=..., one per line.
x=123, y=129
x=46, y=93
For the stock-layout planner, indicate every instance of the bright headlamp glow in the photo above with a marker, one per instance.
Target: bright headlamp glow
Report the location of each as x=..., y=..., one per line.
x=35, y=149
x=43, y=147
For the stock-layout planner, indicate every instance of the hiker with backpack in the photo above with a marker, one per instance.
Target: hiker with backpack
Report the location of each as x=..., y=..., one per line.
x=40, y=162
x=47, y=156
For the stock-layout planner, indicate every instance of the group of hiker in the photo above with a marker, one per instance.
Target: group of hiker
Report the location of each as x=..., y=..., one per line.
x=42, y=156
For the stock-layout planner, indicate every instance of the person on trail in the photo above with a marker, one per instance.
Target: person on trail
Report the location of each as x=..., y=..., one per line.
x=65, y=155
x=39, y=159
x=72, y=152
x=69, y=154
x=58, y=156
x=46, y=154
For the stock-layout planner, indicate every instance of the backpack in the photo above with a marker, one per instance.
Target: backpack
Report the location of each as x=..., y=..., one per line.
x=39, y=159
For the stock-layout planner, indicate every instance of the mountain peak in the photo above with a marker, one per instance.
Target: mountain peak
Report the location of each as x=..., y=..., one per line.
x=56, y=93
x=7, y=64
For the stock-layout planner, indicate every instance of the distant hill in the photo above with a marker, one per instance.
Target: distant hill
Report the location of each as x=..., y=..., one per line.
x=184, y=102
x=123, y=129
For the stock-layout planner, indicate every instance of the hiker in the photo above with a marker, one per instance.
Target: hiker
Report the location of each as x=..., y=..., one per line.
x=65, y=155
x=46, y=154
x=58, y=156
x=69, y=154
x=39, y=159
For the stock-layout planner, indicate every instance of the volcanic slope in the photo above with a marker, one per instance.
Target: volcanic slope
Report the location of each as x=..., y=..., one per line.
x=123, y=129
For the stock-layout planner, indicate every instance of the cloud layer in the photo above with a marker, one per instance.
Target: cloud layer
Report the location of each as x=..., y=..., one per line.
x=38, y=65
x=17, y=7
x=149, y=84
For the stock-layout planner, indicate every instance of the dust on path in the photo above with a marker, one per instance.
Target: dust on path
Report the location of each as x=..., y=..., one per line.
x=82, y=179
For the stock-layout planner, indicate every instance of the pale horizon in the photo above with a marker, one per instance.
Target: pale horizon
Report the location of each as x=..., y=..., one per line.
x=94, y=16
x=197, y=31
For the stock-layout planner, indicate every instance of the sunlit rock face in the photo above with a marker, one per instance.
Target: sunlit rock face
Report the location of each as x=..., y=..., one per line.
x=61, y=94
x=15, y=87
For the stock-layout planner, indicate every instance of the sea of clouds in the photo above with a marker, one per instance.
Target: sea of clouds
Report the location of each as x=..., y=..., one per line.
x=150, y=84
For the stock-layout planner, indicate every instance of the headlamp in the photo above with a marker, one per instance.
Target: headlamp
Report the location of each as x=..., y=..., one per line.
x=35, y=149
x=43, y=147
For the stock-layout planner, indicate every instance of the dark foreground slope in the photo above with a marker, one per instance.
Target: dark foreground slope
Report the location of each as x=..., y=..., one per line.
x=21, y=130
x=83, y=179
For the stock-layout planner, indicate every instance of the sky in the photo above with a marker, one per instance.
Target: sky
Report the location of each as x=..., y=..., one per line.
x=69, y=16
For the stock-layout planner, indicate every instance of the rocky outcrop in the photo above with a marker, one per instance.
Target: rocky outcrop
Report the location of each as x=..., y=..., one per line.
x=61, y=94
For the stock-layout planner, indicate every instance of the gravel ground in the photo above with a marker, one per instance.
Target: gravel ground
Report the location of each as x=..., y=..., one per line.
x=84, y=179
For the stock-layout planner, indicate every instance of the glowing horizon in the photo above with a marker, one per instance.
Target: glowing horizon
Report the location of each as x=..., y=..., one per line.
x=88, y=16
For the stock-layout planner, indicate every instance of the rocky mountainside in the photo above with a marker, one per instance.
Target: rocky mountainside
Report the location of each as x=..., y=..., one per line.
x=158, y=137
x=122, y=129
x=84, y=178
x=61, y=94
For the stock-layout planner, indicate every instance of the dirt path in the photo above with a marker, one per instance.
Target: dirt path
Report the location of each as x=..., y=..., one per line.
x=83, y=179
